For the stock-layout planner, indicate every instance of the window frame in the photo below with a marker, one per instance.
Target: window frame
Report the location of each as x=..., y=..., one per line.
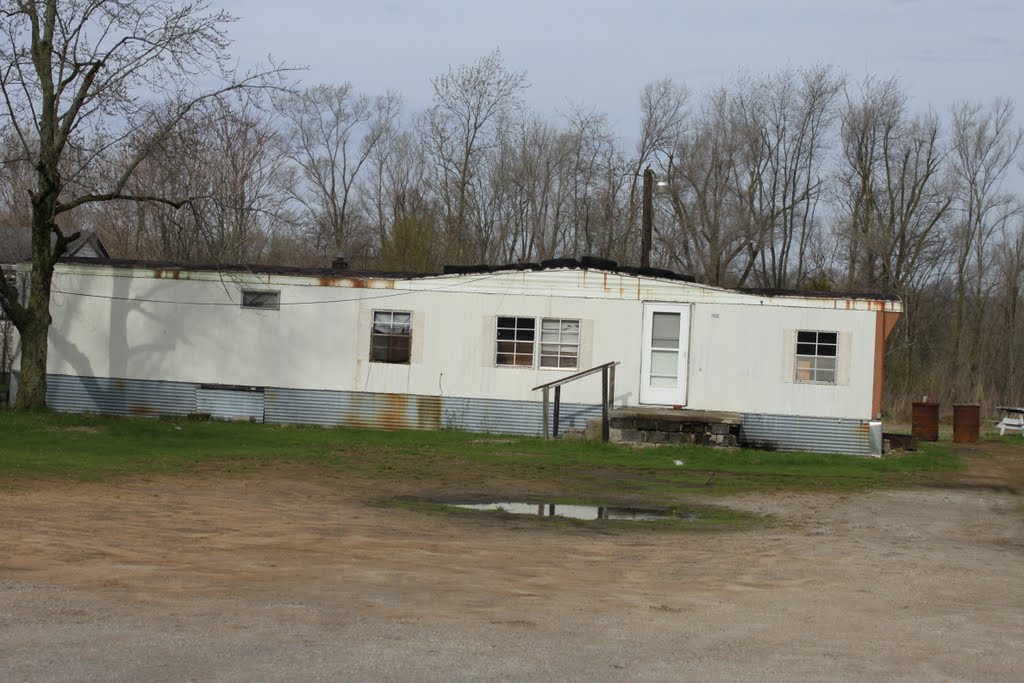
x=391, y=336
x=513, y=335
x=512, y=340
x=813, y=354
x=249, y=294
x=561, y=344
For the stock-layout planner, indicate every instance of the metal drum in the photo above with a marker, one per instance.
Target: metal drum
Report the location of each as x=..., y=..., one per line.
x=966, y=422
x=925, y=421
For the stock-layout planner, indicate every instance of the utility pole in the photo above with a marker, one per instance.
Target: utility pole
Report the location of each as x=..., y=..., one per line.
x=647, y=210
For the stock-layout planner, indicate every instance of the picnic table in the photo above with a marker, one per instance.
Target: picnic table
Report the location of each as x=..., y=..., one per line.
x=1013, y=420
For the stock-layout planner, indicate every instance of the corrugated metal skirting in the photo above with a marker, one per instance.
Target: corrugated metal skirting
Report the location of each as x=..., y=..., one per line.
x=119, y=396
x=307, y=406
x=230, y=404
x=403, y=411
x=813, y=434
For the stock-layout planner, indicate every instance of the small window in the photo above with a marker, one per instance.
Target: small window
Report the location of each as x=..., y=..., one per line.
x=391, y=337
x=515, y=341
x=259, y=299
x=559, y=343
x=816, y=356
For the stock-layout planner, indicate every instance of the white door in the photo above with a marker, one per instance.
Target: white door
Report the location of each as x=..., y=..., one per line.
x=663, y=366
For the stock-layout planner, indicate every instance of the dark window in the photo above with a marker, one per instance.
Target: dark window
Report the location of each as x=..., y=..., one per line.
x=391, y=337
x=515, y=341
x=816, y=356
x=265, y=300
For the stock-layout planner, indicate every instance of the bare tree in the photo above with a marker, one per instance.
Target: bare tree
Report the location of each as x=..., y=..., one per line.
x=985, y=145
x=224, y=156
x=1005, y=347
x=242, y=202
x=596, y=217
x=469, y=101
x=893, y=195
x=330, y=133
x=663, y=121
x=704, y=193
x=785, y=123
x=76, y=81
x=409, y=234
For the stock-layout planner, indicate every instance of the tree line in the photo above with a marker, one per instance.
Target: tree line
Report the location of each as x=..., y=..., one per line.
x=801, y=178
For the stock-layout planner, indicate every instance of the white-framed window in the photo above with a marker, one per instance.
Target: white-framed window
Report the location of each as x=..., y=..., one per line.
x=816, y=354
x=515, y=341
x=559, y=343
x=261, y=299
x=518, y=343
x=391, y=337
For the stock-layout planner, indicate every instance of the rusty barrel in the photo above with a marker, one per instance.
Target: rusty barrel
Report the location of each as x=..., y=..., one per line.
x=966, y=422
x=924, y=421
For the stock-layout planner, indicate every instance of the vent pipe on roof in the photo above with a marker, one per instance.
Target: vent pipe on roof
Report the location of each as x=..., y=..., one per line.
x=339, y=263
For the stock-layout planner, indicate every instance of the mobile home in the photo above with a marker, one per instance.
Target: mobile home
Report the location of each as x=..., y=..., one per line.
x=464, y=349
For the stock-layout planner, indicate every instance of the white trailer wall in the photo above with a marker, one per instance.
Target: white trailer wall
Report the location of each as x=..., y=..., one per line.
x=188, y=326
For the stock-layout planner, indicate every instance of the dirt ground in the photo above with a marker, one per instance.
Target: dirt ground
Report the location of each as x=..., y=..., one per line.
x=284, y=575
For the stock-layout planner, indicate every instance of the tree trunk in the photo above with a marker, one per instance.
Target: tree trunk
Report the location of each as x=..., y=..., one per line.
x=32, y=379
x=34, y=329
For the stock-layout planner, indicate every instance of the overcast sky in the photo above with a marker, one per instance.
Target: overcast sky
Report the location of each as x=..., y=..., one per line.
x=598, y=53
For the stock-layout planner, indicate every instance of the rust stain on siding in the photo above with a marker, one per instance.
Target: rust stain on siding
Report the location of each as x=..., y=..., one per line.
x=395, y=411
x=392, y=411
x=142, y=410
x=428, y=412
x=354, y=282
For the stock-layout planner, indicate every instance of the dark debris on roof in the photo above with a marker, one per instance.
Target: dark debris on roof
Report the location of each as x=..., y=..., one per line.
x=586, y=262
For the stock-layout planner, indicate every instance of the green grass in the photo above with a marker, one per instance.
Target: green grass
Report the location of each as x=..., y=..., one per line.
x=90, y=447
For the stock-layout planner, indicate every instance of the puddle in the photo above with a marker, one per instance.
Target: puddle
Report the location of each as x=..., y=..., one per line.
x=579, y=511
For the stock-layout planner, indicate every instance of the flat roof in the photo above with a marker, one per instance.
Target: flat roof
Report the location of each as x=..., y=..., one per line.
x=584, y=263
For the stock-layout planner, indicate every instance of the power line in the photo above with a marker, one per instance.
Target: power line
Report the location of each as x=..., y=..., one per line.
x=111, y=297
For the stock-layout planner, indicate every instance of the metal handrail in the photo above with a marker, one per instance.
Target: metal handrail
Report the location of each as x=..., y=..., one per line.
x=578, y=375
x=607, y=371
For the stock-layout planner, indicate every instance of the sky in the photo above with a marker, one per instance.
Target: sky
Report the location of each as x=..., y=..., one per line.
x=597, y=54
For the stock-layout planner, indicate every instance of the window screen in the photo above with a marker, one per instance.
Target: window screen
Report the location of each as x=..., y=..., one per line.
x=559, y=343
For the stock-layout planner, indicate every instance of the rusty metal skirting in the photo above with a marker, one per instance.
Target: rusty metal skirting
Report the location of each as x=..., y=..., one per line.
x=811, y=434
x=403, y=411
x=306, y=406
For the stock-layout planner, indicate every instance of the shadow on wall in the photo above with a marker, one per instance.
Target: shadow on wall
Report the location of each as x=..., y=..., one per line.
x=122, y=354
